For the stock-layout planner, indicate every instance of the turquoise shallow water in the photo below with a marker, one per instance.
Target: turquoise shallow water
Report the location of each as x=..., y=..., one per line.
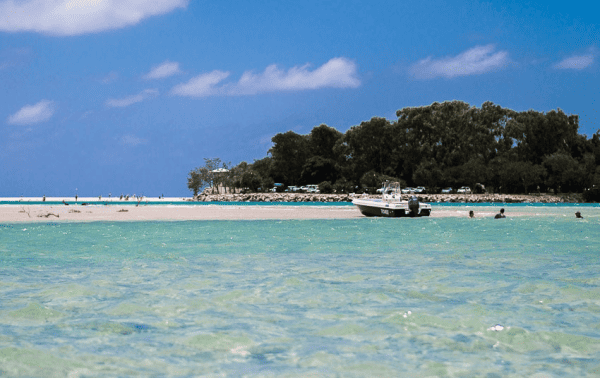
x=352, y=298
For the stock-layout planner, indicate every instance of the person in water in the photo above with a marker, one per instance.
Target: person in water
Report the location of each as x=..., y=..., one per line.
x=500, y=214
x=578, y=215
x=471, y=214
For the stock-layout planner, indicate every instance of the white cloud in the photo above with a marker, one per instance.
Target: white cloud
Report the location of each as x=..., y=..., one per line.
x=75, y=17
x=164, y=70
x=478, y=60
x=336, y=73
x=131, y=140
x=576, y=62
x=29, y=114
x=201, y=85
x=123, y=102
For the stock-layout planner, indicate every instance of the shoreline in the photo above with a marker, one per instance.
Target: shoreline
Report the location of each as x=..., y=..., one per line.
x=115, y=213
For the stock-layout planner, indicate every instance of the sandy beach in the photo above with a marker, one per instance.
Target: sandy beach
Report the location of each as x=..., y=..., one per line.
x=112, y=209
x=111, y=213
x=79, y=213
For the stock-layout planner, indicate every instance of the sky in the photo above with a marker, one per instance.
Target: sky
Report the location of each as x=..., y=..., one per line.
x=128, y=96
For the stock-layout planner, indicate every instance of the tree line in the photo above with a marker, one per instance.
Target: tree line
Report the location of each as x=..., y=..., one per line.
x=447, y=144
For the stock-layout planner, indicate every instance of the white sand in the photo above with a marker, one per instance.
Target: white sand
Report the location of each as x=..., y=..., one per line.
x=79, y=213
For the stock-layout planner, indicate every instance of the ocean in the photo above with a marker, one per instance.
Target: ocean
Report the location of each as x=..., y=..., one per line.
x=365, y=297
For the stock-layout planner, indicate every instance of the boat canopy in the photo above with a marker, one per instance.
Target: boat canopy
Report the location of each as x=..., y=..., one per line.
x=391, y=187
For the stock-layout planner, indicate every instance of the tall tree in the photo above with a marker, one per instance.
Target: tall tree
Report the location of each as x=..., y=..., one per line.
x=289, y=154
x=368, y=147
x=322, y=140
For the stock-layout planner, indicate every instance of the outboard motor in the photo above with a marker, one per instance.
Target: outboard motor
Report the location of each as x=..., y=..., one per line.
x=413, y=206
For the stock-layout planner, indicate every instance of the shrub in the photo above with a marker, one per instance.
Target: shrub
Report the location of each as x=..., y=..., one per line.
x=326, y=187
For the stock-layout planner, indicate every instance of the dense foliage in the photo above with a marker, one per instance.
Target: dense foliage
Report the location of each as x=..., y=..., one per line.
x=443, y=144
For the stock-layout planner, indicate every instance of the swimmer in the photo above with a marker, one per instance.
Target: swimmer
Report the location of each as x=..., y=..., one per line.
x=500, y=214
x=578, y=215
x=471, y=214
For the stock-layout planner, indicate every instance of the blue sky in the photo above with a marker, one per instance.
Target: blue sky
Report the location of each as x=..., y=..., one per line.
x=127, y=96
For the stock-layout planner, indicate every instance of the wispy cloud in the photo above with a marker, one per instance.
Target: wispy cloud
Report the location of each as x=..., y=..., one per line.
x=124, y=102
x=336, y=73
x=30, y=114
x=201, y=85
x=576, y=62
x=110, y=78
x=75, y=17
x=164, y=70
x=131, y=140
x=475, y=61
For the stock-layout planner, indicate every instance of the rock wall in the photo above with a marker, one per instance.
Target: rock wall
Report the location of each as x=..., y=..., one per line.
x=440, y=198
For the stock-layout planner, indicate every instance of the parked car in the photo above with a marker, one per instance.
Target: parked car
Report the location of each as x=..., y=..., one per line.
x=420, y=190
x=447, y=190
x=312, y=189
x=293, y=189
x=407, y=190
x=464, y=190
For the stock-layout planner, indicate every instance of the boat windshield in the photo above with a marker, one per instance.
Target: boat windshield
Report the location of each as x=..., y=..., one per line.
x=391, y=188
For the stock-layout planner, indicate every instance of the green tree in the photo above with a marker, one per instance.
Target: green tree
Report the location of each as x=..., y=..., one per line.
x=195, y=181
x=201, y=177
x=428, y=173
x=319, y=169
x=521, y=176
x=538, y=135
x=368, y=147
x=322, y=140
x=564, y=172
x=289, y=154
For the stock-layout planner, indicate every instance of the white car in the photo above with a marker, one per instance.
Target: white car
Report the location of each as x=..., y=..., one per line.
x=312, y=189
x=447, y=191
x=420, y=189
x=407, y=191
x=464, y=190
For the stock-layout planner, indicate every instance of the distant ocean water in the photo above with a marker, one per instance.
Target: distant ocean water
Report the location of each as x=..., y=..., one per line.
x=354, y=298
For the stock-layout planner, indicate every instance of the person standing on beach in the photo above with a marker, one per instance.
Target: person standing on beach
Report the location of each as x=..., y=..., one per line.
x=500, y=214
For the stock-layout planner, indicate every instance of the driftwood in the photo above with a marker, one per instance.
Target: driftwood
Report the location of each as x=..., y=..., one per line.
x=122, y=211
x=48, y=215
x=74, y=211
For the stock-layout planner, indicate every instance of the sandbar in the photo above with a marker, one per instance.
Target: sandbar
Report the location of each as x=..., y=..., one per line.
x=111, y=213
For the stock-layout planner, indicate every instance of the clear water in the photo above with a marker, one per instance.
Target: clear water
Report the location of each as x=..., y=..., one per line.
x=360, y=297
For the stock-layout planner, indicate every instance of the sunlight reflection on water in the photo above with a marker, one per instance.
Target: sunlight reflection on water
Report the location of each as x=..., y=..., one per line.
x=358, y=297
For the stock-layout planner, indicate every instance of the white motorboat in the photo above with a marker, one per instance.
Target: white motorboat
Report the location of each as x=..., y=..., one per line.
x=392, y=205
